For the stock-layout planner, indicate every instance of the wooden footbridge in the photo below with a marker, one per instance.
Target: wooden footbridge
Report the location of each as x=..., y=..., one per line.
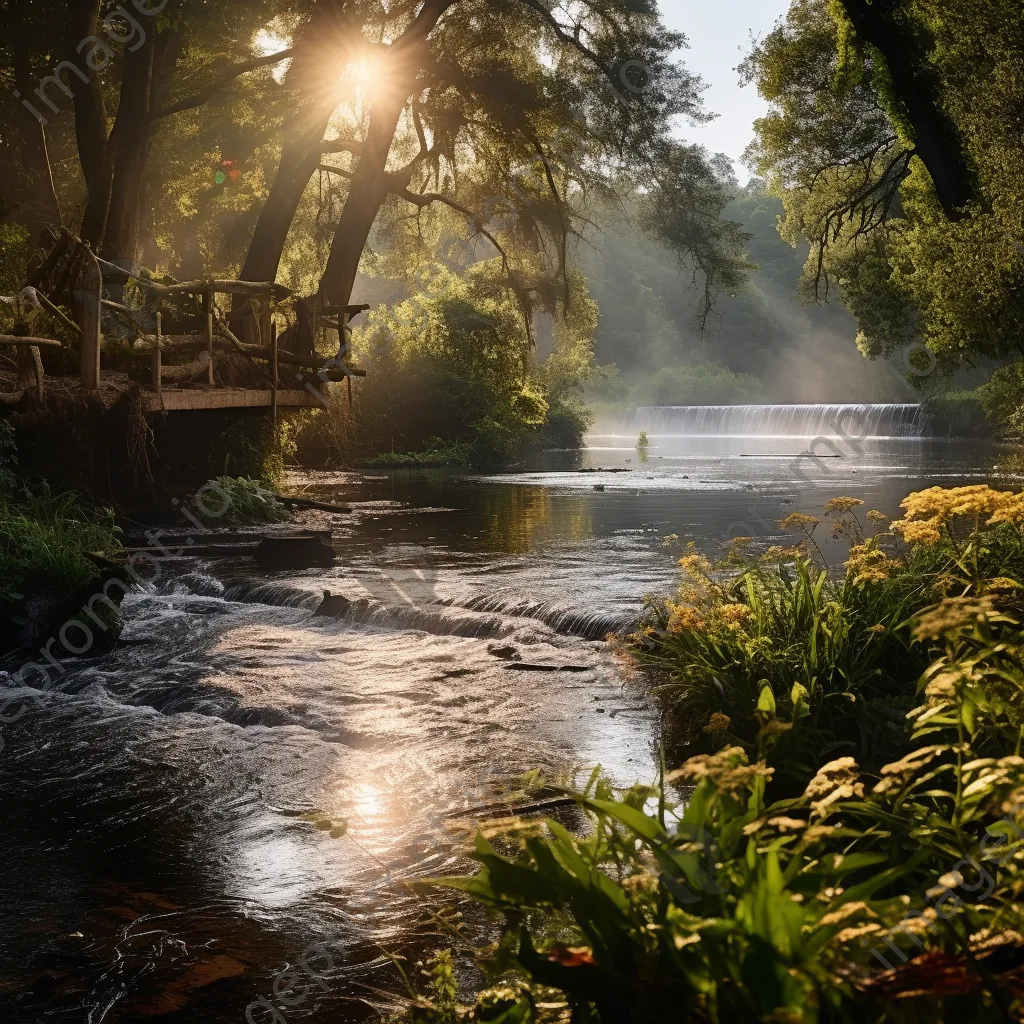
x=171, y=340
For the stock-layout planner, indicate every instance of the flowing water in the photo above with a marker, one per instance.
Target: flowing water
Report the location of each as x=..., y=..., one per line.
x=157, y=864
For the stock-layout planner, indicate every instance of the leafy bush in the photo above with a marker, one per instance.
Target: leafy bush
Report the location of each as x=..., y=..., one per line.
x=830, y=655
x=240, y=499
x=454, y=366
x=885, y=897
x=437, y=454
x=1003, y=396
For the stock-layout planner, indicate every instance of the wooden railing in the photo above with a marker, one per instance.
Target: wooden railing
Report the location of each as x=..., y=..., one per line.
x=74, y=275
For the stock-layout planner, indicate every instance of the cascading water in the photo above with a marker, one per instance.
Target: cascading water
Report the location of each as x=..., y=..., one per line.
x=849, y=420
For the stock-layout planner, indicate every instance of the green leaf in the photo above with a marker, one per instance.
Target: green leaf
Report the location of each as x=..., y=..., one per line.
x=801, y=705
x=766, y=701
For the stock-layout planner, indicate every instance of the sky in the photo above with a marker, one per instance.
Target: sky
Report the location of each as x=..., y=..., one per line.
x=719, y=34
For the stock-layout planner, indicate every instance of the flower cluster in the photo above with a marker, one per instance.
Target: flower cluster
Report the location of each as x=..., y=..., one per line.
x=868, y=563
x=930, y=511
x=837, y=780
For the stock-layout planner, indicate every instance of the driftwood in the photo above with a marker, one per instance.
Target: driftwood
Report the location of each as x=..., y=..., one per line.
x=321, y=506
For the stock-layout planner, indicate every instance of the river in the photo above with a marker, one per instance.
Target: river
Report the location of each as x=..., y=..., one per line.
x=157, y=864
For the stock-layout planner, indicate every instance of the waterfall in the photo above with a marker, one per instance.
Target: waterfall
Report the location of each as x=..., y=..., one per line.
x=850, y=420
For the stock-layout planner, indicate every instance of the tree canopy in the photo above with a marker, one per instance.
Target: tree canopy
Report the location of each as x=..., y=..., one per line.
x=894, y=142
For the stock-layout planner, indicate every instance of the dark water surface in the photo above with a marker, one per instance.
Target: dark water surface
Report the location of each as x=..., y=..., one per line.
x=155, y=861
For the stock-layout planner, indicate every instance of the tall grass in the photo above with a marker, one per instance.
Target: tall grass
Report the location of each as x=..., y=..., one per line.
x=43, y=540
x=830, y=650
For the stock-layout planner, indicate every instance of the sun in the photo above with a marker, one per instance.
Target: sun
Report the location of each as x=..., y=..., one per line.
x=364, y=75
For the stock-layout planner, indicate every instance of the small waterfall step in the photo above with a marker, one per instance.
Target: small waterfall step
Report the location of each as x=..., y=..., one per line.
x=844, y=420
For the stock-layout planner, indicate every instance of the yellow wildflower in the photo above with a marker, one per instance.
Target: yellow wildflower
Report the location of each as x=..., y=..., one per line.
x=837, y=780
x=870, y=564
x=799, y=520
x=728, y=770
x=847, y=910
x=1011, y=511
x=940, y=504
x=925, y=533
x=718, y=723
x=695, y=565
x=778, y=553
x=877, y=517
x=849, y=934
x=877, y=628
x=900, y=772
x=841, y=505
x=683, y=618
x=950, y=616
x=734, y=614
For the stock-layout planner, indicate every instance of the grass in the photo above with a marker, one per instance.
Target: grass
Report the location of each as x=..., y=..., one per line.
x=438, y=454
x=43, y=539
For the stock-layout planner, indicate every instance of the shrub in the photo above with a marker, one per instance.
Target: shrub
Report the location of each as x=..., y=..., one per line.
x=239, y=500
x=830, y=654
x=885, y=897
x=43, y=540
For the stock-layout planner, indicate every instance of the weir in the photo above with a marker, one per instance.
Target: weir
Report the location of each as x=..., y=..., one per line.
x=828, y=420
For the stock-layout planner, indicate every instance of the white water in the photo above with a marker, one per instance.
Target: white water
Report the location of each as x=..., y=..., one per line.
x=841, y=420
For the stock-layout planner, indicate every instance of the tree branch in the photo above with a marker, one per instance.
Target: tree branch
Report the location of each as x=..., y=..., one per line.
x=204, y=95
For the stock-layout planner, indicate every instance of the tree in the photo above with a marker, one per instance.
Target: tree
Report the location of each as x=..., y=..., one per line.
x=507, y=114
x=907, y=183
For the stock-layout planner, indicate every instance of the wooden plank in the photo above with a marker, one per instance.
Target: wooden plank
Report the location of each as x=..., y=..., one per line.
x=207, y=325
x=274, y=376
x=12, y=339
x=227, y=398
x=88, y=294
x=158, y=352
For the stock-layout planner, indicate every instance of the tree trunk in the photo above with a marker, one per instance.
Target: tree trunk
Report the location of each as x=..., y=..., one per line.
x=936, y=138
x=130, y=144
x=90, y=112
x=300, y=157
x=323, y=39
x=366, y=195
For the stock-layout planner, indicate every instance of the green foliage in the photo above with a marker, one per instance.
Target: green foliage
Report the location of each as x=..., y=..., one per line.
x=452, y=375
x=1002, y=397
x=436, y=454
x=43, y=539
x=884, y=896
x=737, y=630
x=8, y=457
x=838, y=147
x=254, y=447
x=961, y=413
x=14, y=254
x=238, y=500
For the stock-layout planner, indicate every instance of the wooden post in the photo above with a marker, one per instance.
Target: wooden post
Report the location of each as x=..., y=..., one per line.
x=88, y=296
x=157, y=353
x=273, y=365
x=208, y=331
